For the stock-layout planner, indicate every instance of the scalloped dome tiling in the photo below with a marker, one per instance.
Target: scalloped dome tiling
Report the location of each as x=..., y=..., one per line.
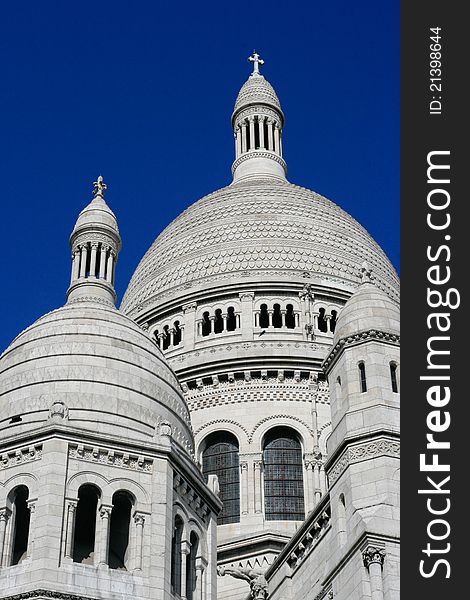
x=256, y=90
x=253, y=229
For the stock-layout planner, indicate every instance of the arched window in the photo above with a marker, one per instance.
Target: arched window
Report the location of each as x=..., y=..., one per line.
x=20, y=523
x=220, y=458
x=119, y=531
x=166, y=337
x=85, y=524
x=322, y=324
x=219, y=322
x=264, y=317
x=362, y=377
x=206, y=324
x=177, y=334
x=334, y=318
x=277, y=318
x=393, y=377
x=283, y=477
x=290, y=317
x=191, y=566
x=231, y=319
x=176, y=556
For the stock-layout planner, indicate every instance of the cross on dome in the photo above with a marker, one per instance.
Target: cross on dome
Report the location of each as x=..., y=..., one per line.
x=256, y=60
x=99, y=187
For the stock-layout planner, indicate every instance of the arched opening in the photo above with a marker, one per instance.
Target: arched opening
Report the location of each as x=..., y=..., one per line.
x=283, y=476
x=219, y=322
x=176, y=556
x=206, y=324
x=362, y=377
x=231, y=319
x=290, y=317
x=277, y=318
x=166, y=337
x=393, y=377
x=322, y=324
x=220, y=457
x=263, y=316
x=248, y=136
x=191, y=566
x=177, y=335
x=85, y=524
x=119, y=531
x=21, y=521
x=334, y=317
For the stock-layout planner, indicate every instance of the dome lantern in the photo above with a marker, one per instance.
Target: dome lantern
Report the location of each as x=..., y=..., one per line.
x=257, y=122
x=95, y=243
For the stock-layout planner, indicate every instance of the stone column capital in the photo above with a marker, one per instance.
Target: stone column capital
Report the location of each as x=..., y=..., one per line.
x=105, y=511
x=185, y=547
x=190, y=307
x=139, y=519
x=373, y=554
x=5, y=514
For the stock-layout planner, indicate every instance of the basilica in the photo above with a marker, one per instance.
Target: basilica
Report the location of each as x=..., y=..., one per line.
x=231, y=431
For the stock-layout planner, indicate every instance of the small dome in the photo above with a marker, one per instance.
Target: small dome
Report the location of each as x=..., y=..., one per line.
x=256, y=90
x=96, y=214
x=99, y=368
x=368, y=308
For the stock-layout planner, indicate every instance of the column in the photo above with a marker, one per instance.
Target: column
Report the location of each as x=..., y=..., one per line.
x=258, y=464
x=276, y=139
x=328, y=323
x=172, y=336
x=109, y=267
x=243, y=125
x=315, y=321
x=182, y=333
x=244, y=487
x=261, y=132
x=69, y=528
x=310, y=484
x=31, y=504
x=238, y=142
x=257, y=313
x=201, y=565
x=212, y=320
x=83, y=259
x=238, y=320
x=252, y=133
x=185, y=550
x=323, y=485
x=270, y=315
x=270, y=135
x=104, y=250
x=161, y=337
x=139, y=521
x=297, y=319
x=75, y=265
x=224, y=318
x=5, y=514
x=199, y=327
x=94, y=251
x=283, y=317
x=280, y=142
x=373, y=558
x=102, y=533
x=316, y=480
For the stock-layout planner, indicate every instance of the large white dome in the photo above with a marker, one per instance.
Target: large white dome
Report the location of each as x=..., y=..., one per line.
x=252, y=230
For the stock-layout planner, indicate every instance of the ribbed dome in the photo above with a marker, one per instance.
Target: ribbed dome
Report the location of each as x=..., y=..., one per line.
x=253, y=229
x=256, y=90
x=106, y=371
x=97, y=213
x=368, y=308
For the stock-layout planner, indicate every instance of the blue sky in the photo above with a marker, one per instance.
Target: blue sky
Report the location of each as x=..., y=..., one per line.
x=142, y=92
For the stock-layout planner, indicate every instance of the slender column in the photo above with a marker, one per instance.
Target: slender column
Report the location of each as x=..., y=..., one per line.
x=75, y=265
x=83, y=259
x=310, y=484
x=283, y=317
x=315, y=321
x=94, y=251
x=297, y=319
x=5, y=514
x=199, y=327
x=280, y=142
x=373, y=561
x=32, y=514
x=182, y=332
x=276, y=139
x=70, y=526
x=270, y=134
x=270, y=315
x=161, y=337
x=323, y=485
x=185, y=550
x=261, y=132
x=257, y=313
x=139, y=521
x=199, y=591
x=104, y=250
x=238, y=320
x=243, y=126
x=224, y=317
x=252, y=133
x=316, y=478
x=238, y=142
x=244, y=478
x=109, y=267
x=103, y=533
x=212, y=320
x=328, y=323
x=258, y=492
x=172, y=336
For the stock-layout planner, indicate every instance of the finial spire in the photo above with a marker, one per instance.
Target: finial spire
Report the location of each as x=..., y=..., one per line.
x=366, y=273
x=99, y=187
x=256, y=60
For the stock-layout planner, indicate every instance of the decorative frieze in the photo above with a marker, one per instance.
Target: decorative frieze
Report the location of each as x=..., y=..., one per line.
x=189, y=496
x=20, y=456
x=358, y=338
x=109, y=457
x=363, y=451
x=306, y=543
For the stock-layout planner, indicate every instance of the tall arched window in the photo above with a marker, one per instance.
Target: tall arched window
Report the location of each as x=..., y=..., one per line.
x=277, y=318
x=283, y=476
x=264, y=317
x=322, y=324
x=119, y=531
x=334, y=318
x=290, y=317
x=218, y=322
x=20, y=523
x=191, y=566
x=166, y=339
x=177, y=335
x=393, y=377
x=85, y=524
x=362, y=377
x=231, y=319
x=176, y=556
x=220, y=457
x=206, y=324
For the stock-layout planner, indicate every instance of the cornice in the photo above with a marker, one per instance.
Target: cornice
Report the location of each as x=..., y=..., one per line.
x=259, y=154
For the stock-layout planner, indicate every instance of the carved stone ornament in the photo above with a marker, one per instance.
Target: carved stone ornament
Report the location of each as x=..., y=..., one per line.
x=372, y=554
x=59, y=411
